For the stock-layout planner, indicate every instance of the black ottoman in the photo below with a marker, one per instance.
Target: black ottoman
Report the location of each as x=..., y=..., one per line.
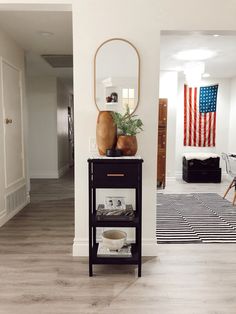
x=202, y=171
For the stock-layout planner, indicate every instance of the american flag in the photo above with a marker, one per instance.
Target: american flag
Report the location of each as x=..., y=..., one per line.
x=200, y=116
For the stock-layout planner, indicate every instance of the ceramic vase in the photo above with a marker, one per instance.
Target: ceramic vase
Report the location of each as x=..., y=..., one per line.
x=128, y=144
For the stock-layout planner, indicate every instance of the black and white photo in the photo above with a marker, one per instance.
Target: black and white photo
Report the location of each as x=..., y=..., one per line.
x=115, y=202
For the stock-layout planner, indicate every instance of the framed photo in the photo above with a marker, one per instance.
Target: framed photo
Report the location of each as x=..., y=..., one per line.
x=115, y=202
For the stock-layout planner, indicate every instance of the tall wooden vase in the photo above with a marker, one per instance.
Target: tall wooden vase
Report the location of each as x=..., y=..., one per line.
x=105, y=132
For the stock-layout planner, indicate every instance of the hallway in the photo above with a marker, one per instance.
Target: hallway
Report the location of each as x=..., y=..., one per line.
x=46, y=224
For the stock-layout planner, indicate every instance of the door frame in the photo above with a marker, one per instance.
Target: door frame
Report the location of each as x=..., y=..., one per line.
x=2, y=61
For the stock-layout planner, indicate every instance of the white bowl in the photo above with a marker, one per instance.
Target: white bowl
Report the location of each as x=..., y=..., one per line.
x=114, y=239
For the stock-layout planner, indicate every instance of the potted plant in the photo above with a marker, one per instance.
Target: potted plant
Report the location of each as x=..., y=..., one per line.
x=128, y=126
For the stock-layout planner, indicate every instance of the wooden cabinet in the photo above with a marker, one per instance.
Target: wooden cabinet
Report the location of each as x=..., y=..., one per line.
x=113, y=173
x=162, y=137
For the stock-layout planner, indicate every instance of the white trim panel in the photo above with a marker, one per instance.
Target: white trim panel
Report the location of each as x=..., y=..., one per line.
x=10, y=212
x=4, y=218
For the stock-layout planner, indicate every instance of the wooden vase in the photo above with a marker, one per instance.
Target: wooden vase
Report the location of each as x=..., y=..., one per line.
x=128, y=144
x=105, y=132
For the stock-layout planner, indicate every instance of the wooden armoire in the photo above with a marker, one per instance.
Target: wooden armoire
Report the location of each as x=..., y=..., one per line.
x=161, y=149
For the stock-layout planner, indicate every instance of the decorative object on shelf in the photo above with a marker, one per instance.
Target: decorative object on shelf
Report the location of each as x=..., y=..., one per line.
x=114, y=239
x=114, y=97
x=103, y=251
x=115, y=202
x=108, y=99
x=128, y=126
x=105, y=132
x=109, y=214
x=127, y=144
x=114, y=152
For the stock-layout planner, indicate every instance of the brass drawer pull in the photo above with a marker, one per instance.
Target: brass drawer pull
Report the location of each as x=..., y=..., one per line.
x=115, y=174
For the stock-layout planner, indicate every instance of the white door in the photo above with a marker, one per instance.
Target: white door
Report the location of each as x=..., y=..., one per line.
x=12, y=119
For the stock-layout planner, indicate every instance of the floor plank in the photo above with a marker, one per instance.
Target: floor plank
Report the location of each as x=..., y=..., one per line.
x=39, y=275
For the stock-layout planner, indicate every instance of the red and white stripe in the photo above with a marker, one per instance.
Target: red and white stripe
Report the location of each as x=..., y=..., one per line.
x=199, y=128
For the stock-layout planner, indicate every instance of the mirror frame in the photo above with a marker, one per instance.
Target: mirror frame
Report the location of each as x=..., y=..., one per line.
x=95, y=59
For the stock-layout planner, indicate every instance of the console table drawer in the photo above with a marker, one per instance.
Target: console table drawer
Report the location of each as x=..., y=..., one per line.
x=115, y=175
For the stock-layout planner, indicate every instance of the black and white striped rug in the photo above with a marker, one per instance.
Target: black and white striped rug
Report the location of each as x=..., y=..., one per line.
x=195, y=218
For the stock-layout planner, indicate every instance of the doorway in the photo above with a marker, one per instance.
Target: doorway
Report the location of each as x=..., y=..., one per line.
x=37, y=164
x=190, y=212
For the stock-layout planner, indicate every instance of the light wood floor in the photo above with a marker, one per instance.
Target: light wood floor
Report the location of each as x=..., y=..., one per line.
x=179, y=186
x=38, y=275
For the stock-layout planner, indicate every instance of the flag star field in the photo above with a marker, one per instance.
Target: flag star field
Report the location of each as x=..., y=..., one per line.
x=208, y=99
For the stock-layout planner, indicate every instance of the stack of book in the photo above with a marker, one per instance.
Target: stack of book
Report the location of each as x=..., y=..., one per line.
x=109, y=214
x=125, y=251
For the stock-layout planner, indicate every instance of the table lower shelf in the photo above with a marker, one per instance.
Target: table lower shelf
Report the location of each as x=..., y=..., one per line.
x=133, y=260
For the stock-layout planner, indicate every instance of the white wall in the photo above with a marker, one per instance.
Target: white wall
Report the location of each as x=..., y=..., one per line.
x=88, y=17
x=12, y=53
x=42, y=103
x=62, y=126
x=48, y=100
x=232, y=120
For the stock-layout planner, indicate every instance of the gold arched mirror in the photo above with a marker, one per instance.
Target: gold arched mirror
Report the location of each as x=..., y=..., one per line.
x=116, y=76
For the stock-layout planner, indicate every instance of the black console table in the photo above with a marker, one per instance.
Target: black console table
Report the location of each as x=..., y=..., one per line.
x=112, y=173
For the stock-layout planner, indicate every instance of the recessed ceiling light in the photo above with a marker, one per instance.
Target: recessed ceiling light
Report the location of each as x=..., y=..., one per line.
x=216, y=35
x=195, y=54
x=205, y=75
x=42, y=33
x=193, y=72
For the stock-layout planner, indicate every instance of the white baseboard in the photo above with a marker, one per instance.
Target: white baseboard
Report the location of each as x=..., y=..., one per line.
x=178, y=176
x=80, y=247
x=171, y=179
x=5, y=217
x=49, y=174
x=149, y=247
x=226, y=177
x=44, y=175
x=63, y=170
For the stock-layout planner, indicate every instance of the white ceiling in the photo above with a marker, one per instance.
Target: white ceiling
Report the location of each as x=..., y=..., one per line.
x=25, y=27
x=37, y=66
x=222, y=65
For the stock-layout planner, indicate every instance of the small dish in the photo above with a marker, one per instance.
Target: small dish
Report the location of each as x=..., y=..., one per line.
x=114, y=240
